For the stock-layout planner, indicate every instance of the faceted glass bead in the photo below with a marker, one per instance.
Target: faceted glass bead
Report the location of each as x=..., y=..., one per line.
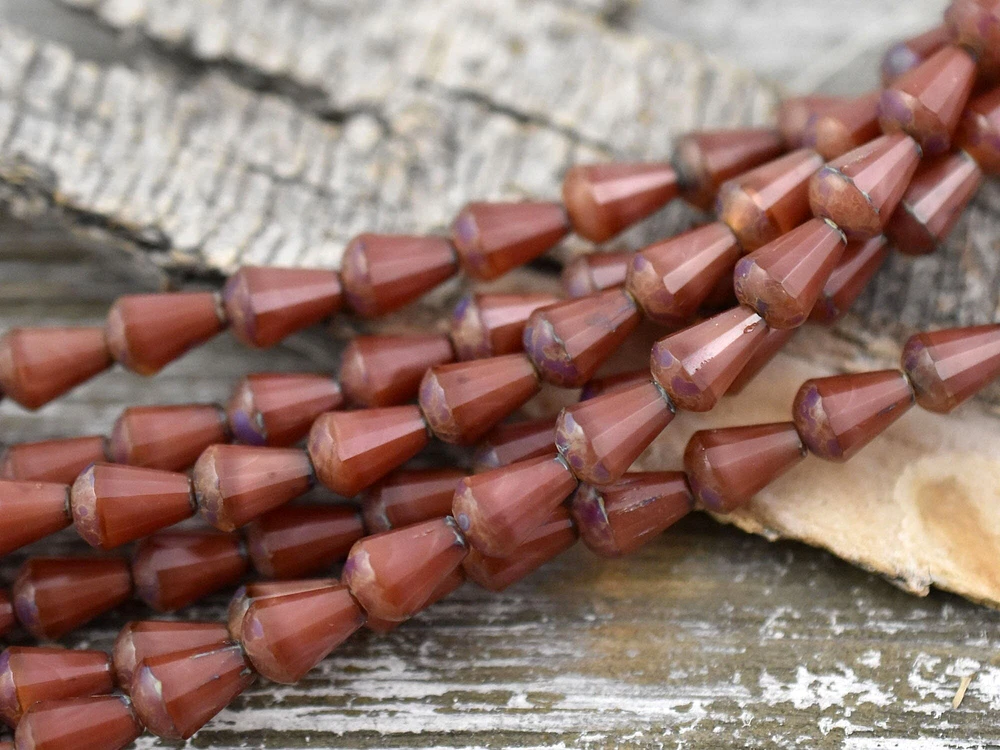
x=696, y=366
x=278, y=409
x=352, y=450
x=101, y=722
x=843, y=126
x=600, y=438
x=233, y=484
x=173, y=569
x=837, y=416
x=287, y=635
x=795, y=113
x=856, y=268
x=386, y=370
x=769, y=346
x=569, y=340
x=30, y=674
x=384, y=272
x=176, y=694
x=113, y=504
x=145, y=639
x=246, y=595
x=299, y=540
x=908, y=54
x=166, y=437
x=7, y=619
x=672, y=279
x=727, y=467
x=979, y=131
x=927, y=102
x=447, y=586
x=266, y=304
x=516, y=441
x=59, y=460
x=617, y=519
x=551, y=538
x=708, y=158
x=604, y=199
x=408, y=497
x=772, y=199
x=145, y=332
x=932, y=204
x=783, y=279
x=595, y=272
x=52, y=596
x=30, y=511
x=39, y=364
x=393, y=573
x=498, y=510
x=491, y=325
x=949, y=366
x=860, y=190
x=976, y=25
x=465, y=400
x=493, y=238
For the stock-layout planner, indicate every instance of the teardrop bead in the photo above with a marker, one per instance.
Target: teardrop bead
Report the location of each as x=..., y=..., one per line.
x=287, y=635
x=843, y=126
x=452, y=582
x=266, y=304
x=40, y=364
x=498, y=510
x=903, y=56
x=299, y=540
x=386, y=370
x=708, y=158
x=617, y=519
x=233, y=484
x=176, y=694
x=516, y=441
x=602, y=437
x=278, y=409
x=859, y=191
x=696, y=366
x=101, y=722
x=146, y=332
x=465, y=400
x=491, y=325
x=145, y=639
x=114, y=504
x=950, y=366
x=859, y=263
x=595, y=272
x=59, y=460
x=671, y=279
x=796, y=112
x=727, y=467
x=251, y=592
x=166, y=437
x=384, y=272
x=352, y=450
x=979, y=131
x=408, y=497
x=976, y=24
x=837, y=416
x=769, y=346
x=598, y=386
x=29, y=674
x=493, y=238
x=30, y=511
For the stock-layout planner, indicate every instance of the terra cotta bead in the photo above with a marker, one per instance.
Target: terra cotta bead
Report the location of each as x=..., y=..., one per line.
x=708, y=158
x=490, y=325
x=595, y=272
x=769, y=346
x=516, y=441
x=299, y=540
x=145, y=639
x=407, y=497
x=59, y=460
x=447, y=586
x=909, y=53
x=844, y=126
x=386, y=370
x=39, y=364
x=976, y=25
x=100, y=722
x=30, y=511
x=246, y=595
x=947, y=367
x=166, y=437
x=795, y=113
x=30, y=674
x=278, y=409
x=979, y=131
x=856, y=268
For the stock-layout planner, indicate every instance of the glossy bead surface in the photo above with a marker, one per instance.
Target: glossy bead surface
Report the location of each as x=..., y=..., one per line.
x=287, y=635
x=515, y=441
x=858, y=264
x=765, y=351
x=386, y=370
x=233, y=484
x=393, y=573
x=299, y=540
x=601, y=437
x=266, y=304
x=979, y=131
x=795, y=113
x=54, y=595
x=407, y=497
x=949, y=366
x=838, y=415
x=569, y=340
x=859, y=191
x=166, y=437
x=763, y=204
x=672, y=279
x=909, y=53
x=727, y=467
x=697, y=365
x=384, y=272
x=604, y=199
x=498, y=510
x=30, y=674
x=493, y=238
x=145, y=332
x=102, y=722
x=448, y=585
x=59, y=460
x=246, y=595
x=976, y=24
x=278, y=409
x=617, y=519
x=595, y=272
x=30, y=511
x=783, y=279
x=173, y=569
x=843, y=126
x=114, y=504
x=352, y=450
x=141, y=640
x=708, y=158
x=39, y=364
x=490, y=325
x=465, y=400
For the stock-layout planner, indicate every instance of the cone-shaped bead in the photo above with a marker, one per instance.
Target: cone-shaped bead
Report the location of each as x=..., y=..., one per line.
x=30, y=674
x=909, y=53
x=145, y=639
x=166, y=437
x=100, y=722
x=595, y=272
x=408, y=497
x=246, y=595
x=30, y=511
x=856, y=268
x=299, y=540
x=796, y=112
x=39, y=364
x=454, y=580
x=490, y=325
x=708, y=158
x=843, y=126
x=386, y=370
x=949, y=366
x=976, y=24
x=979, y=131
x=278, y=409
x=769, y=346
x=516, y=441
x=52, y=460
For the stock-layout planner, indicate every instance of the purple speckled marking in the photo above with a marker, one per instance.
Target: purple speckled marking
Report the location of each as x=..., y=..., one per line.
x=246, y=428
x=706, y=496
x=26, y=609
x=465, y=230
x=898, y=60
x=592, y=520
x=463, y=521
x=548, y=353
x=350, y=567
x=892, y=106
